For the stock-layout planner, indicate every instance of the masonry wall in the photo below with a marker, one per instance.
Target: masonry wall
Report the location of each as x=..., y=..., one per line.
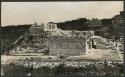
x=67, y=45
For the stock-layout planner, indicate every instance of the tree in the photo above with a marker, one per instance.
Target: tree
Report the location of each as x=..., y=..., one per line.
x=106, y=22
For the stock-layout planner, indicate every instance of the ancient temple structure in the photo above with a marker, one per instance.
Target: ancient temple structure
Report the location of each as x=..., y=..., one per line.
x=58, y=42
x=52, y=28
x=36, y=29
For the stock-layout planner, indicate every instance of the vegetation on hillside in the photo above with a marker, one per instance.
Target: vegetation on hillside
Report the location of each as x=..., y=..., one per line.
x=10, y=33
x=101, y=27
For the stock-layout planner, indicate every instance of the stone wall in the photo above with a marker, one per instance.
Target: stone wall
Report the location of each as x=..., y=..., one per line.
x=67, y=45
x=36, y=30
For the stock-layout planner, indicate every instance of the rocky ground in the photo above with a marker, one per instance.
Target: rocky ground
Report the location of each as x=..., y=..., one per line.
x=92, y=55
x=41, y=63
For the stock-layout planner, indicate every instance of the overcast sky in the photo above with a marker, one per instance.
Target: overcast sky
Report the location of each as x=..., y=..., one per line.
x=14, y=13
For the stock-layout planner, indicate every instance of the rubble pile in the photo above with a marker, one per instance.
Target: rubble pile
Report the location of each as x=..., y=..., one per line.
x=30, y=43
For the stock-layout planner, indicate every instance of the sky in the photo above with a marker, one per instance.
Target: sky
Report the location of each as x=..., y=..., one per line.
x=15, y=13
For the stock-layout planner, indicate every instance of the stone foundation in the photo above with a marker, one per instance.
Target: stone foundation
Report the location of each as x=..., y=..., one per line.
x=59, y=45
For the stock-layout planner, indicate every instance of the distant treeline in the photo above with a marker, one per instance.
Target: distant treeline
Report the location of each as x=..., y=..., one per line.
x=79, y=24
x=10, y=33
x=85, y=24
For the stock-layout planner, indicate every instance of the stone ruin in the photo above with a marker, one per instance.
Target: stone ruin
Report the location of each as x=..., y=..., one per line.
x=59, y=45
x=34, y=41
x=37, y=40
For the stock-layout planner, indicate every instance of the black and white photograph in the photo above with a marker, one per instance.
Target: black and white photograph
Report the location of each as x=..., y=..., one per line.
x=62, y=39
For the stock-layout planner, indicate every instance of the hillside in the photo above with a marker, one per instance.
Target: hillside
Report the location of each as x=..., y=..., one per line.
x=10, y=33
x=29, y=43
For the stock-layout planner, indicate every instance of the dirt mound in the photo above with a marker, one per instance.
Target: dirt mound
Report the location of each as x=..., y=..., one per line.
x=31, y=43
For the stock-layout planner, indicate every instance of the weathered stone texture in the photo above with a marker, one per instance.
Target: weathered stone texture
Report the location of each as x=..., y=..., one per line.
x=67, y=45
